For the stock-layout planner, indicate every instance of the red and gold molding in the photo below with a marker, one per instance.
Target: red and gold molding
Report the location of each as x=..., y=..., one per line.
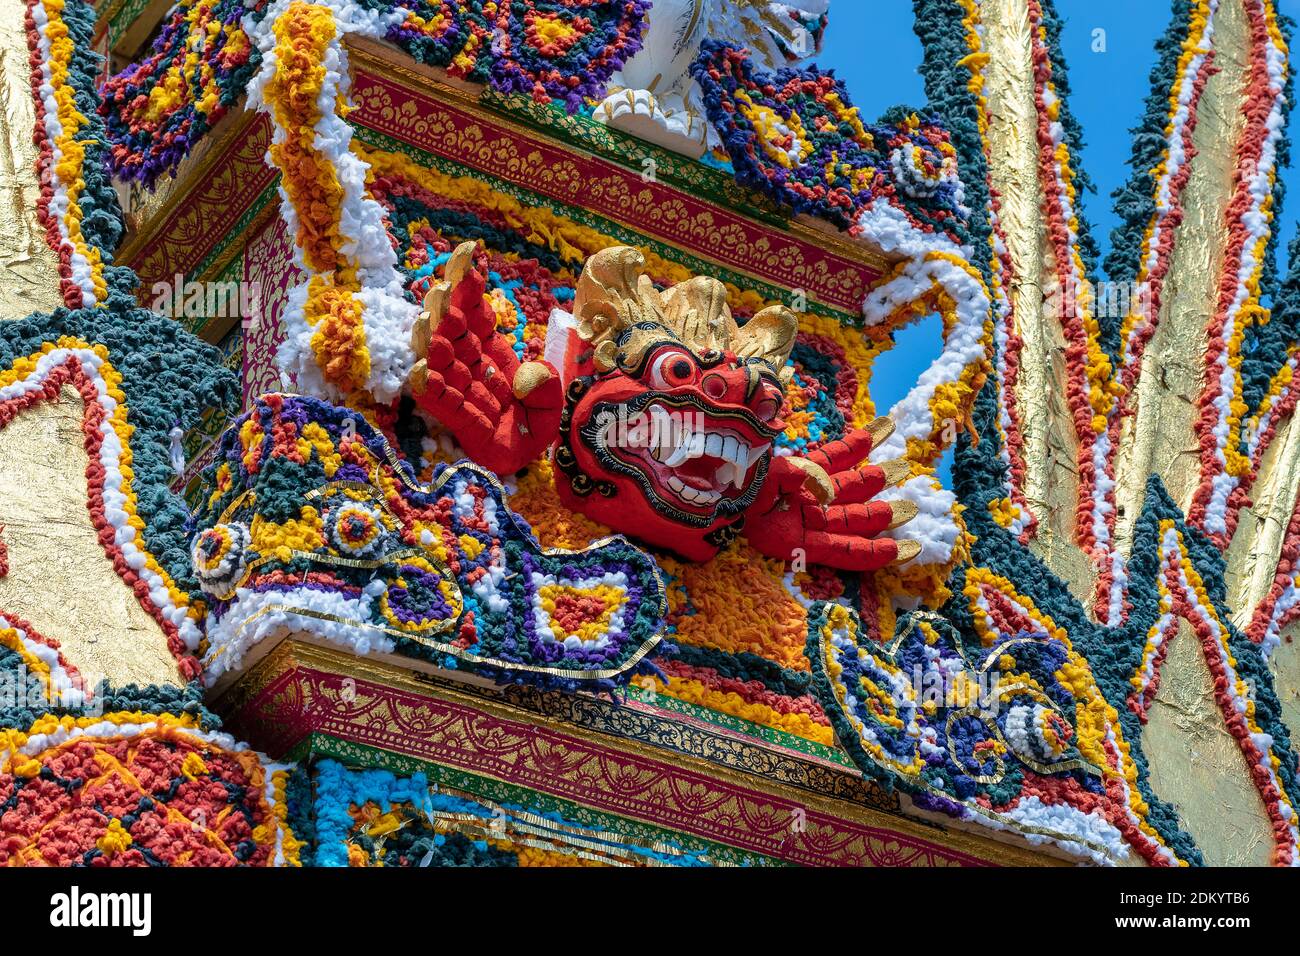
x=220, y=193
x=518, y=158
x=300, y=692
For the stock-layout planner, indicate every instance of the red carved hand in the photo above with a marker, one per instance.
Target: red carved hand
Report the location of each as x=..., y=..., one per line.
x=821, y=506
x=502, y=412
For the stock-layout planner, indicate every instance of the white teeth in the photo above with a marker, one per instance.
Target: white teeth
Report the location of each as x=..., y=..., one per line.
x=673, y=442
x=697, y=496
x=679, y=455
x=661, y=432
x=730, y=474
x=692, y=446
x=731, y=450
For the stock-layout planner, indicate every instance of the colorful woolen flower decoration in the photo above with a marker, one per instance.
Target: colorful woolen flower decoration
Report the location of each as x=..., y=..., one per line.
x=563, y=50
x=78, y=206
x=221, y=554
x=795, y=136
x=1038, y=732
x=355, y=550
x=157, y=109
x=420, y=597
x=357, y=529
x=1016, y=705
x=137, y=789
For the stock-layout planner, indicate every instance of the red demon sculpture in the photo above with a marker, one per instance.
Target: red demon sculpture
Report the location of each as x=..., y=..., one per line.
x=660, y=412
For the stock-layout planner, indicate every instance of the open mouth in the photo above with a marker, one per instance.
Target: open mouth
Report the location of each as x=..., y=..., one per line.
x=699, y=461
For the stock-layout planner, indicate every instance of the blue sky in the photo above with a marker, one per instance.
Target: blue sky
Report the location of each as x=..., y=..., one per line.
x=871, y=47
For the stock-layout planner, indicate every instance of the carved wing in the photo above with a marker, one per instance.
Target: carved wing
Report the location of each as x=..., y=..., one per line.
x=774, y=33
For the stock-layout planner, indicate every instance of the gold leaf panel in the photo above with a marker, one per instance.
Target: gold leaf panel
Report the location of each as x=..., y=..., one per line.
x=59, y=578
x=1197, y=765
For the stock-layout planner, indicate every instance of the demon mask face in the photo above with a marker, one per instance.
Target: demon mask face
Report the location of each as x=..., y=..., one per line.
x=660, y=411
x=671, y=407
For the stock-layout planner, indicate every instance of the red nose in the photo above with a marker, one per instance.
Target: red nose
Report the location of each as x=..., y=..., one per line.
x=726, y=385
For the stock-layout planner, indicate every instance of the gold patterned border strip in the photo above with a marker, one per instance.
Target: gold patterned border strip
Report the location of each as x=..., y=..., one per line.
x=383, y=59
x=300, y=690
x=626, y=718
x=193, y=219
x=412, y=110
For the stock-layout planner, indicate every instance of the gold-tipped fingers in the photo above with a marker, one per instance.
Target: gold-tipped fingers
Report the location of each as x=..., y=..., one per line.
x=907, y=550
x=904, y=511
x=461, y=261
x=815, y=480
x=436, y=299
x=880, y=429
x=419, y=377
x=528, y=376
x=435, y=307
x=896, y=471
x=420, y=334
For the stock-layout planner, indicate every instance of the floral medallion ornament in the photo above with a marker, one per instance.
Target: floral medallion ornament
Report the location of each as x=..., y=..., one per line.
x=357, y=529
x=220, y=555
x=418, y=597
x=921, y=168
x=1038, y=732
x=350, y=547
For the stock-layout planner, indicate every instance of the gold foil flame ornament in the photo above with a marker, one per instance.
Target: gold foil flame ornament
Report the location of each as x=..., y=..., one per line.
x=613, y=295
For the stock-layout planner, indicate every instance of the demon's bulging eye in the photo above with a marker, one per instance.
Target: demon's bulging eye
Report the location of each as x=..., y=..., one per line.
x=673, y=368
